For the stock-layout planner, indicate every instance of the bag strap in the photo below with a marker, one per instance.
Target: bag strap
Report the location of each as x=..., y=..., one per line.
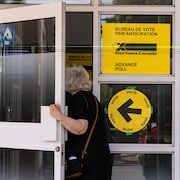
x=92, y=129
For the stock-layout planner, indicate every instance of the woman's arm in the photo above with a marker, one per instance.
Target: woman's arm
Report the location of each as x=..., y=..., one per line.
x=75, y=126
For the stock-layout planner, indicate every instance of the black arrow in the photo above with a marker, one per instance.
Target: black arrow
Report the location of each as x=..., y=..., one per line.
x=124, y=110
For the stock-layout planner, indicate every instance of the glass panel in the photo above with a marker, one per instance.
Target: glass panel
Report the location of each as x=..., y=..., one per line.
x=138, y=113
x=26, y=165
x=79, y=40
x=142, y=166
x=27, y=62
x=135, y=41
x=67, y=1
x=137, y=2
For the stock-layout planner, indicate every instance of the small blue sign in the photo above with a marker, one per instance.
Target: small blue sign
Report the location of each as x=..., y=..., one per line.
x=7, y=35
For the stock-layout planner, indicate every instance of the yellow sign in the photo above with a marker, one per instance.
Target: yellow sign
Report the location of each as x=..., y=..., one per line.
x=129, y=110
x=84, y=59
x=136, y=48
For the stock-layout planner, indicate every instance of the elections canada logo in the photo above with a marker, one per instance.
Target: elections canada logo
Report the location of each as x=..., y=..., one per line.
x=135, y=48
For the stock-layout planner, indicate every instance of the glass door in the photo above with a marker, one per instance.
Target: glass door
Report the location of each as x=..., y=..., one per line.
x=31, y=78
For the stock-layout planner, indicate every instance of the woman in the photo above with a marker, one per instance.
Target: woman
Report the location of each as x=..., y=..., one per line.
x=82, y=112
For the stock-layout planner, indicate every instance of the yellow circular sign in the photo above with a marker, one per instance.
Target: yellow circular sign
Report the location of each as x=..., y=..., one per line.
x=129, y=110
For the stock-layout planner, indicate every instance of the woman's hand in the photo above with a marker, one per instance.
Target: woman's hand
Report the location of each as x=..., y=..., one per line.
x=55, y=111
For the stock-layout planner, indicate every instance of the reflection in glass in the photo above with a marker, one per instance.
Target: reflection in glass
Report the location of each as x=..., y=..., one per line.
x=159, y=127
x=27, y=63
x=137, y=2
x=142, y=166
x=130, y=18
x=26, y=165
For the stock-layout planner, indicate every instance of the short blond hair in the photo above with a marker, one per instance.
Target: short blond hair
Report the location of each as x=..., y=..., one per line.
x=77, y=78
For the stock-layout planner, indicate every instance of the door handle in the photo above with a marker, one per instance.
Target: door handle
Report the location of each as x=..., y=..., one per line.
x=49, y=124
